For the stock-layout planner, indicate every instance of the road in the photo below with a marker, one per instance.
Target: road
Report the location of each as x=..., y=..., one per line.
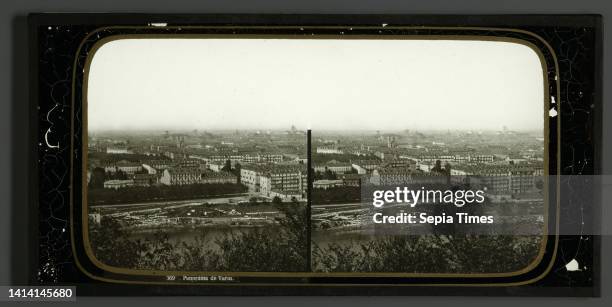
x=218, y=200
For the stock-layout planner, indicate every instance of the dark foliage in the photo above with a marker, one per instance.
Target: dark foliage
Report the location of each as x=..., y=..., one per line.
x=161, y=192
x=336, y=195
x=281, y=248
x=430, y=254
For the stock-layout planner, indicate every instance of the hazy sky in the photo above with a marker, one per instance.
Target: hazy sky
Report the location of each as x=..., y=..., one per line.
x=343, y=84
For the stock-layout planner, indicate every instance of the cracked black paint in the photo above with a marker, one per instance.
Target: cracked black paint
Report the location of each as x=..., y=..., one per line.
x=58, y=44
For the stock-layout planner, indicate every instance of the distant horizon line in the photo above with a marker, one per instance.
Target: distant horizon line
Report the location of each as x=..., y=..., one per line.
x=171, y=130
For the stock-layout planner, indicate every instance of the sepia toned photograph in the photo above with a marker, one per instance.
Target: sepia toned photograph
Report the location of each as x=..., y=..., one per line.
x=197, y=153
x=506, y=165
x=429, y=115
x=193, y=164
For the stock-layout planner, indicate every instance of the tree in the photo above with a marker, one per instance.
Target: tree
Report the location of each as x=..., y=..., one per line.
x=438, y=167
x=277, y=200
x=429, y=254
x=228, y=166
x=236, y=170
x=279, y=248
x=351, y=171
x=97, y=178
x=329, y=175
x=336, y=195
x=162, y=192
x=111, y=245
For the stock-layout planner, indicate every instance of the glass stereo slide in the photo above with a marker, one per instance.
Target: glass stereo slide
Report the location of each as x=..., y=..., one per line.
x=316, y=154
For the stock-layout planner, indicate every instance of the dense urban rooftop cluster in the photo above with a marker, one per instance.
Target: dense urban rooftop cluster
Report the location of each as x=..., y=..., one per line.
x=273, y=164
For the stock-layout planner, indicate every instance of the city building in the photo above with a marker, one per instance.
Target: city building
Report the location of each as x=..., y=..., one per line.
x=118, y=150
x=125, y=166
x=287, y=195
x=387, y=154
x=351, y=180
x=175, y=154
x=159, y=165
x=329, y=150
x=150, y=169
x=434, y=158
x=406, y=175
x=210, y=177
x=117, y=184
x=409, y=163
x=283, y=178
x=326, y=184
x=180, y=176
x=250, y=175
x=145, y=180
x=270, y=158
x=391, y=175
x=334, y=166
x=338, y=167
x=365, y=166
x=216, y=166
x=500, y=179
x=481, y=158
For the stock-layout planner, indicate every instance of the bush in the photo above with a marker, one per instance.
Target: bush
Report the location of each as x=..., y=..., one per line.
x=280, y=248
x=162, y=192
x=429, y=254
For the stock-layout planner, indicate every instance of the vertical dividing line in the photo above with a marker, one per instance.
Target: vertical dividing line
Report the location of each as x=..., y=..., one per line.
x=308, y=200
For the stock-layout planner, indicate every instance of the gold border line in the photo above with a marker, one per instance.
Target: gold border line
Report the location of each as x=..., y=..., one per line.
x=119, y=270
x=530, y=267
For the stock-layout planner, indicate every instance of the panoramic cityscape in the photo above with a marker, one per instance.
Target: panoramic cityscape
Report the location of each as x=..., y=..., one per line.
x=203, y=187
x=231, y=168
x=507, y=165
x=206, y=190
x=198, y=153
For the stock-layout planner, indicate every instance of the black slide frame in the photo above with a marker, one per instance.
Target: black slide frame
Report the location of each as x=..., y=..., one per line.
x=580, y=130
